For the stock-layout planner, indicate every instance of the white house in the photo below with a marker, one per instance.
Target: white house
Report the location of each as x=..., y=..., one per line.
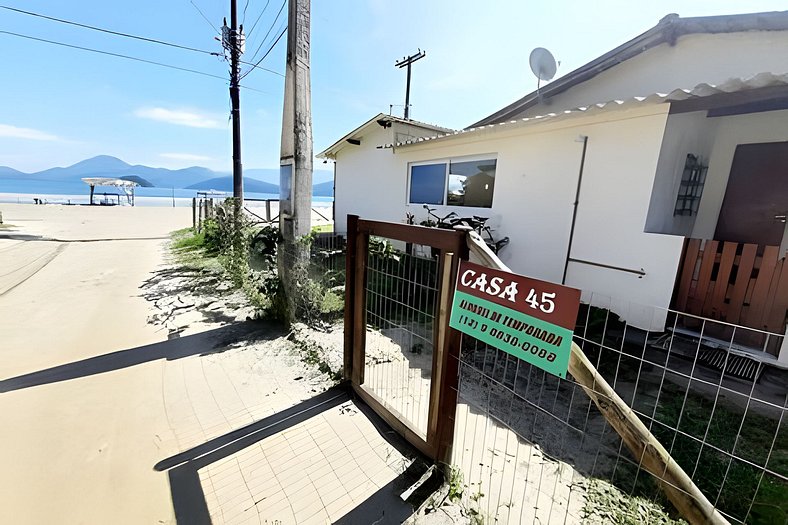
x=602, y=177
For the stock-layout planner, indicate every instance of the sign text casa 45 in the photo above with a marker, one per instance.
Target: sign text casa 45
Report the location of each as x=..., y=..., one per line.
x=530, y=319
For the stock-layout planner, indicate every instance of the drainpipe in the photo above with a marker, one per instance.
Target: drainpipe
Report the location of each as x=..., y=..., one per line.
x=584, y=138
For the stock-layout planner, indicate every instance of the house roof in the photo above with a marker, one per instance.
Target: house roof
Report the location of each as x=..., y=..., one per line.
x=668, y=30
x=763, y=83
x=379, y=119
x=109, y=181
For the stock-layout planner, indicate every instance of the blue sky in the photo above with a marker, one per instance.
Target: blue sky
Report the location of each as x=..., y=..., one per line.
x=60, y=105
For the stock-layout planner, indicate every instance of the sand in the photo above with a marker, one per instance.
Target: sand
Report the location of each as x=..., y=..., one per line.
x=81, y=450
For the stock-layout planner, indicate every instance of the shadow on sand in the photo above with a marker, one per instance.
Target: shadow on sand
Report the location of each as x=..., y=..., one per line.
x=204, y=343
x=383, y=507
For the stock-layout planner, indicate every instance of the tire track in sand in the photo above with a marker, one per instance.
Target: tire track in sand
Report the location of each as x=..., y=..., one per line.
x=31, y=259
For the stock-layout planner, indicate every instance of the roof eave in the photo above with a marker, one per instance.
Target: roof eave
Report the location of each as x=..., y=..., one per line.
x=668, y=30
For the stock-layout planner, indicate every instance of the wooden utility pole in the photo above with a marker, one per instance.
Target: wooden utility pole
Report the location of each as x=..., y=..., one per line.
x=407, y=61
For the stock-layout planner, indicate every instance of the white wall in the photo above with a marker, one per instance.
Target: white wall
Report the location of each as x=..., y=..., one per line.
x=684, y=133
x=367, y=182
x=535, y=187
x=731, y=131
x=694, y=59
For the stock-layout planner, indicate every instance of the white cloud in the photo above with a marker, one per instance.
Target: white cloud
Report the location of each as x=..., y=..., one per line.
x=192, y=119
x=9, y=131
x=185, y=156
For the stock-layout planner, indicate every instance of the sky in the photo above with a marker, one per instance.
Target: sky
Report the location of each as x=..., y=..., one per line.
x=61, y=105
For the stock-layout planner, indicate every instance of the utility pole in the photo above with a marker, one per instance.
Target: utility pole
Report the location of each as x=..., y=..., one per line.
x=407, y=61
x=295, y=159
x=295, y=179
x=231, y=40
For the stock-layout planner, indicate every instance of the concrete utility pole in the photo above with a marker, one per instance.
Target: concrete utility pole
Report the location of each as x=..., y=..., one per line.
x=232, y=42
x=295, y=179
x=407, y=61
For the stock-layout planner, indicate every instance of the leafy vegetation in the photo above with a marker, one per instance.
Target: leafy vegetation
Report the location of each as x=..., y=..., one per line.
x=607, y=504
x=248, y=256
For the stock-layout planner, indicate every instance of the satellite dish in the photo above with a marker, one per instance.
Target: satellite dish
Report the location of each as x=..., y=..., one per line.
x=542, y=64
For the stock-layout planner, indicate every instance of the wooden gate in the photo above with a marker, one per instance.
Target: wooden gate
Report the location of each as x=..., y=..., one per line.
x=741, y=284
x=401, y=357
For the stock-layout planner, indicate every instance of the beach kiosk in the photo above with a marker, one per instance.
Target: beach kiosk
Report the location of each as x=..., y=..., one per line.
x=125, y=189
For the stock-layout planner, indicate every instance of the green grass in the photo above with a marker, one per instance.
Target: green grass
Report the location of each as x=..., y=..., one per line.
x=711, y=467
x=323, y=228
x=187, y=239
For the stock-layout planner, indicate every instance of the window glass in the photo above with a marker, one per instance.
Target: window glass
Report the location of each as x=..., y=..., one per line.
x=427, y=184
x=471, y=183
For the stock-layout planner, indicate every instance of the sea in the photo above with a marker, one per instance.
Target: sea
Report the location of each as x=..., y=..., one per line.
x=77, y=192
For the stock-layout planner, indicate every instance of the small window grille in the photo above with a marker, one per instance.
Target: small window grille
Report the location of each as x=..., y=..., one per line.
x=691, y=187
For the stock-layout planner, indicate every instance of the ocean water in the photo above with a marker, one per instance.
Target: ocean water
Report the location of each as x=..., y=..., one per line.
x=77, y=192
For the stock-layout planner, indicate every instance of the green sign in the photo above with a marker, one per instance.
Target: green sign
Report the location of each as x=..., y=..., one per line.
x=527, y=318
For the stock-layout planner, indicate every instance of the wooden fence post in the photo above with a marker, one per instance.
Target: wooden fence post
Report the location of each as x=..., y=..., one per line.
x=194, y=213
x=350, y=279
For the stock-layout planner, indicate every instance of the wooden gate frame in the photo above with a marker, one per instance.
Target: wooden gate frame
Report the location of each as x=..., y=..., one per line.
x=452, y=248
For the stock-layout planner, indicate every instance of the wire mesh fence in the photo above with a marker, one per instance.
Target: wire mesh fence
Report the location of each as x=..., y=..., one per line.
x=533, y=448
x=401, y=296
x=315, y=277
x=530, y=447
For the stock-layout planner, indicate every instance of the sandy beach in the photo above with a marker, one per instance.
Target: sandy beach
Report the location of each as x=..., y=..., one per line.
x=79, y=451
x=113, y=360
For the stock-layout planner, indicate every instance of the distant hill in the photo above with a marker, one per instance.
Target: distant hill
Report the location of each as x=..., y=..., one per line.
x=5, y=171
x=226, y=184
x=255, y=180
x=139, y=180
x=324, y=189
x=272, y=175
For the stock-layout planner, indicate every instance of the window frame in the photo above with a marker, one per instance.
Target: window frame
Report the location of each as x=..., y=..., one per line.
x=446, y=161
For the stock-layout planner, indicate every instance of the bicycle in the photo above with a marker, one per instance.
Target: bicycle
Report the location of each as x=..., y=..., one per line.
x=439, y=222
x=480, y=225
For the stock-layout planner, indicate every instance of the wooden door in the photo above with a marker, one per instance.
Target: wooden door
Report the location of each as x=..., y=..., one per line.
x=756, y=199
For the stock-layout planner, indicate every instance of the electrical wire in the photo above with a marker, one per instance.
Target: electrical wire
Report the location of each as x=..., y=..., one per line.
x=94, y=28
x=204, y=17
x=99, y=51
x=254, y=66
x=273, y=24
x=266, y=53
x=243, y=18
x=127, y=35
x=127, y=57
x=249, y=34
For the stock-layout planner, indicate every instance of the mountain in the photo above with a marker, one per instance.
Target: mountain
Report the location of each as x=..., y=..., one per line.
x=226, y=184
x=5, y=171
x=324, y=189
x=272, y=175
x=262, y=180
x=139, y=180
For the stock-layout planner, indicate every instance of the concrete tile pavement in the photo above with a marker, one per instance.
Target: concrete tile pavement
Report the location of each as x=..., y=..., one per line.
x=312, y=469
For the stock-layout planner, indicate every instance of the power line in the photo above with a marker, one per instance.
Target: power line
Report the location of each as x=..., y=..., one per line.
x=204, y=17
x=249, y=34
x=127, y=57
x=244, y=15
x=94, y=28
x=254, y=66
x=273, y=24
x=266, y=53
x=127, y=35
